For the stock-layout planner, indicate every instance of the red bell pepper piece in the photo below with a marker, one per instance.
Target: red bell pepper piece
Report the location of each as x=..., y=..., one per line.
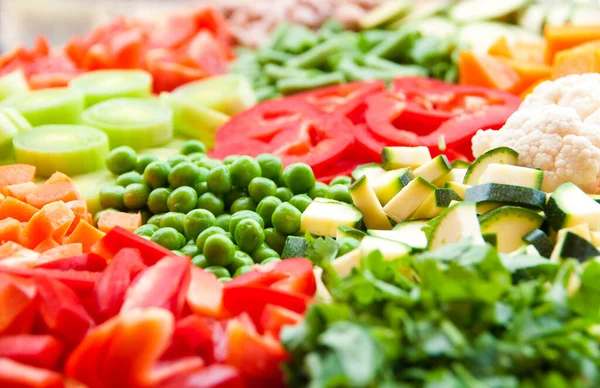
x=85, y=262
x=61, y=311
x=126, y=48
x=275, y=317
x=119, y=238
x=110, y=289
x=81, y=282
x=38, y=350
x=17, y=305
x=14, y=374
x=208, y=54
x=213, y=376
x=205, y=293
x=383, y=111
x=164, y=285
x=207, y=17
x=192, y=336
x=167, y=369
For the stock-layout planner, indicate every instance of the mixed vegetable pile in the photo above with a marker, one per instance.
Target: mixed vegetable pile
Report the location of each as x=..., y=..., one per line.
x=407, y=195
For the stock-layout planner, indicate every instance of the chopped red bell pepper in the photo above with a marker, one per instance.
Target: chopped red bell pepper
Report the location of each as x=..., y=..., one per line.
x=17, y=305
x=213, y=376
x=205, y=293
x=85, y=262
x=208, y=54
x=119, y=238
x=43, y=351
x=81, y=282
x=166, y=369
x=383, y=111
x=14, y=374
x=192, y=336
x=275, y=317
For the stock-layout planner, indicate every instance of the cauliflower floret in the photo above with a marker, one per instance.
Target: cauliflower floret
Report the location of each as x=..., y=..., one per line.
x=554, y=139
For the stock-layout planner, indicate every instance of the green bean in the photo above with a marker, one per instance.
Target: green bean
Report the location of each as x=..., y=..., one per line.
x=277, y=36
x=371, y=38
x=297, y=40
x=397, y=45
x=377, y=63
x=316, y=56
x=280, y=72
x=295, y=85
x=273, y=56
x=266, y=93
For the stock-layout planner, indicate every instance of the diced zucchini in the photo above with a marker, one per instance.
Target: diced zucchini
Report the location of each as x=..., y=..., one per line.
x=490, y=238
x=460, y=164
x=434, y=169
x=323, y=216
x=369, y=169
x=343, y=265
x=500, y=155
x=595, y=197
x=484, y=207
x=455, y=175
x=366, y=201
x=558, y=14
x=403, y=204
x=457, y=222
x=527, y=250
x=507, y=194
x=390, y=250
x=386, y=12
x=510, y=223
x=470, y=11
x=568, y=205
x=390, y=183
x=322, y=294
x=294, y=247
x=540, y=241
x=435, y=204
x=513, y=175
x=533, y=17
x=459, y=188
x=582, y=230
x=595, y=238
x=347, y=231
x=399, y=157
x=410, y=232
x=570, y=245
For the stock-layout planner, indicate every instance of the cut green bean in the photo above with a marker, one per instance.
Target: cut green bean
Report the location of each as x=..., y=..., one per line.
x=377, y=63
x=276, y=73
x=266, y=93
x=371, y=38
x=316, y=56
x=273, y=56
x=295, y=85
x=397, y=45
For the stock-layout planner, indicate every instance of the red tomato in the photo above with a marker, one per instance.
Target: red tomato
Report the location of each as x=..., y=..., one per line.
x=38, y=350
x=14, y=374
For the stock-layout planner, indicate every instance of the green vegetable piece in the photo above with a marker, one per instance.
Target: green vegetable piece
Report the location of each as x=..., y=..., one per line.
x=143, y=162
x=121, y=160
x=219, y=271
x=173, y=220
x=240, y=259
x=136, y=196
x=243, y=203
x=206, y=233
x=155, y=219
x=341, y=180
x=243, y=270
x=156, y=174
x=102, y=85
x=262, y=253
x=234, y=194
x=284, y=194
x=243, y=170
x=320, y=190
x=316, y=56
x=158, y=200
x=237, y=217
x=300, y=201
x=129, y=178
x=196, y=222
x=299, y=178
x=208, y=163
x=286, y=219
x=211, y=202
x=340, y=193
x=192, y=146
x=219, y=180
x=200, y=261
x=248, y=235
x=273, y=56
x=266, y=207
x=184, y=174
x=274, y=240
x=146, y=230
x=182, y=199
x=289, y=86
x=260, y=188
x=176, y=159
x=190, y=250
x=218, y=250
x=111, y=196
x=347, y=244
x=396, y=46
x=168, y=238
x=201, y=188
x=270, y=166
x=222, y=221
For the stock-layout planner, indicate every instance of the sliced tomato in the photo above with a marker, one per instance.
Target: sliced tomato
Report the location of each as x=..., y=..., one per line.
x=168, y=75
x=207, y=17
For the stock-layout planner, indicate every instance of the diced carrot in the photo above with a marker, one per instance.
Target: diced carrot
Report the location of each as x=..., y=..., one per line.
x=16, y=173
x=530, y=51
x=9, y=248
x=578, y=60
x=10, y=230
x=85, y=234
x=529, y=73
x=110, y=219
x=79, y=208
x=15, y=255
x=60, y=252
x=19, y=210
x=58, y=187
x=19, y=191
x=485, y=70
x=567, y=36
x=46, y=245
x=501, y=48
x=53, y=220
x=1, y=196
x=528, y=91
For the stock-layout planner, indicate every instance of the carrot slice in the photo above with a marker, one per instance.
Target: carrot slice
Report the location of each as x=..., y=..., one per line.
x=16, y=173
x=485, y=70
x=10, y=230
x=530, y=52
x=53, y=220
x=46, y=245
x=579, y=60
x=58, y=187
x=85, y=234
x=110, y=219
x=15, y=255
x=529, y=73
x=501, y=48
x=60, y=252
x=567, y=36
x=19, y=191
x=79, y=208
x=19, y=210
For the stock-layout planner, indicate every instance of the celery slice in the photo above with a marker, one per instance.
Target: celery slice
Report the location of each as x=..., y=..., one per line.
x=102, y=85
x=70, y=149
x=13, y=84
x=88, y=186
x=48, y=106
x=135, y=122
x=11, y=123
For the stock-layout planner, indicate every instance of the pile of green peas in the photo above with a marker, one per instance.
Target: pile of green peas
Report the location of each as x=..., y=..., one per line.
x=226, y=215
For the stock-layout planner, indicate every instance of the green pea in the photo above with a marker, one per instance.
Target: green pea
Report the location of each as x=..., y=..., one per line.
x=266, y=207
x=208, y=163
x=201, y=188
x=178, y=253
x=219, y=180
x=212, y=203
x=158, y=200
x=233, y=195
x=143, y=162
x=155, y=219
x=224, y=279
x=270, y=260
x=197, y=221
x=341, y=180
x=136, y=196
x=190, y=250
x=206, y=233
x=203, y=174
x=157, y=174
x=111, y=196
x=299, y=178
x=200, y=261
x=222, y=221
x=121, y=160
x=340, y=193
x=243, y=203
x=262, y=254
x=242, y=270
x=240, y=259
x=243, y=170
x=192, y=146
x=270, y=166
x=284, y=194
x=321, y=190
x=129, y=178
x=218, y=250
x=237, y=217
x=184, y=174
x=146, y=230
x=229, y=159
x=182, y=199
x=173, y=220
x=300, y=201
x=286, y=219
x=219, y=271
x=248, y=235
x=168, y=238
x=346, y=245
x=261, y=187
x=196, y=156
x=274, y=240
x=176, y=159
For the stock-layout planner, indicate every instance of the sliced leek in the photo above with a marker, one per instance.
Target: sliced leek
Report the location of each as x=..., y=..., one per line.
x=48, y=106
x=102, y=85
x=13, y=84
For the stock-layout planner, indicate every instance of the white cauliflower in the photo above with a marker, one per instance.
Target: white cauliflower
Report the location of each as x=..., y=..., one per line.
x=556, y=129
